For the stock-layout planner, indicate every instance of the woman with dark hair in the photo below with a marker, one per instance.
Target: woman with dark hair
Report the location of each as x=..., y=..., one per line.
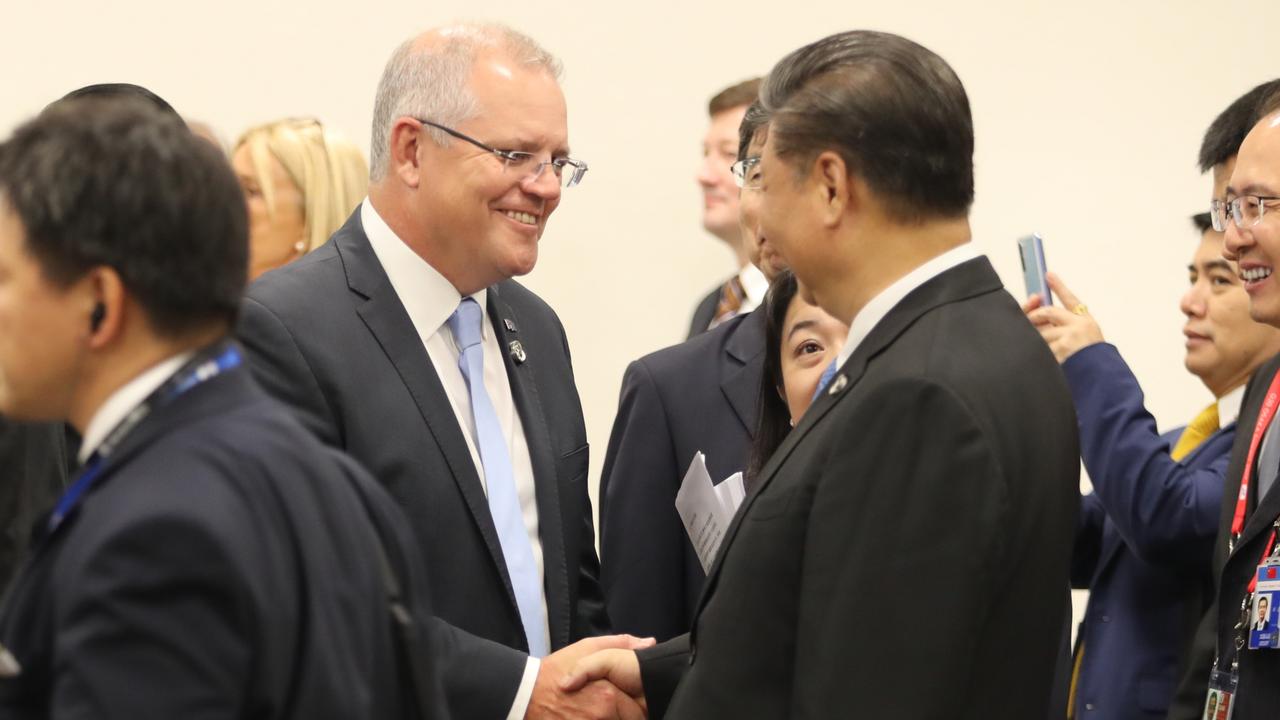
x=801, y=340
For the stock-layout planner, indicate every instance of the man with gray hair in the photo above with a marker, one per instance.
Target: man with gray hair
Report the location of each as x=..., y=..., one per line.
x=405, y=342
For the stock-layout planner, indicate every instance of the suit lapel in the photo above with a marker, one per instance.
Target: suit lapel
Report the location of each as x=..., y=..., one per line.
x=740, y=386
x=524, y=390
x=389, y=323
x=969, y=279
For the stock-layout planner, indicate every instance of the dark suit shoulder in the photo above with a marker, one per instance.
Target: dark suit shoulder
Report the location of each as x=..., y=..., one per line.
x=291, y=288
x=698, y=350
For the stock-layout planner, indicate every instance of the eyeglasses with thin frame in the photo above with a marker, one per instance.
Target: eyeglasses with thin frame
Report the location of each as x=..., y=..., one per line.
x=1246, y=211
x=745, y=172
x=525, y=162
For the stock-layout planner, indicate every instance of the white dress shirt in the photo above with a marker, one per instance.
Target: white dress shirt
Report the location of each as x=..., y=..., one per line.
x=1229, y=407
x=429, y=298
x=754, y=286
x=874, y=311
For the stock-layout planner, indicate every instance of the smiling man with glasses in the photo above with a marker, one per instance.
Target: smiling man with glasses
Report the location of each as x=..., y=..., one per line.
x=405, y=342
x=1244, y=668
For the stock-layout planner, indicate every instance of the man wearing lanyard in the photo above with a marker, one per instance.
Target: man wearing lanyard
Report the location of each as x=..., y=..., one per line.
x=210, y=558
x=1247, y=665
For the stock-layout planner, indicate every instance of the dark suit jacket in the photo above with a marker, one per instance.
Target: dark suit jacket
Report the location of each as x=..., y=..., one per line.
x=1144, y=542
x=328, y=336
x=705, y=312
x=700, y=395
x=905, y=554
x=34, y=463
x=223, y=566
x=1259, y=693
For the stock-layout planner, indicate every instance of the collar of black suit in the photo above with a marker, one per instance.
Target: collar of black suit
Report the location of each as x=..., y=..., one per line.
x=966, y=280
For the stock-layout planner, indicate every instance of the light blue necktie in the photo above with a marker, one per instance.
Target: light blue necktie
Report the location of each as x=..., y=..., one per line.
x=825, y=380
x=504, y=506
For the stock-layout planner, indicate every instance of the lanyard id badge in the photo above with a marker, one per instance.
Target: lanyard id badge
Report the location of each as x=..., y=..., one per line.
x=1264, y=616
x=1222, y=696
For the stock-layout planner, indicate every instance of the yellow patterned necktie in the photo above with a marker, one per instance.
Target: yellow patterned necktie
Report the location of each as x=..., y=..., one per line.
x=1204, y=425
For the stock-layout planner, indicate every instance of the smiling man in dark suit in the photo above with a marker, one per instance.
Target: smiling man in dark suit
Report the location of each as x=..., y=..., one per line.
x=939, y=466
x=405, y=342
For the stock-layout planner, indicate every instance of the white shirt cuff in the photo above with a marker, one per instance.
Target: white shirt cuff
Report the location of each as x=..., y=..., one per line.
x=524, y=693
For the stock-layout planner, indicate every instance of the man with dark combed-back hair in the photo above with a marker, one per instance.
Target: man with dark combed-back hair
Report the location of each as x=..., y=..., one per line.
x=211, y=558
x=940, y=465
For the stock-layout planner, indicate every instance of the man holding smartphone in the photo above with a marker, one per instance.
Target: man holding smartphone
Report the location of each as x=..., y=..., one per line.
x=1145, y=534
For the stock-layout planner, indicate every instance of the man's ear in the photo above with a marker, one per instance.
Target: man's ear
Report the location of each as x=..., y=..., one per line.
x=406, y=137
x=105, y=300
x=831, y=183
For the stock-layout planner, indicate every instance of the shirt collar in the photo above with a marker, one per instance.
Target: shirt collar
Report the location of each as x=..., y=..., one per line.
x=873, y=312
x=755, y=285
x=427, y=296
x=1229, y=406
x=124, y=400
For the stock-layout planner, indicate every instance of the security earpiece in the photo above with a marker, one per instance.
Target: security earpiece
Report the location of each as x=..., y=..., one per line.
x=96, y=317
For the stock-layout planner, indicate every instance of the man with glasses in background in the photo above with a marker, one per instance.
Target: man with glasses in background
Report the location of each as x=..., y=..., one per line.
x=404, y=342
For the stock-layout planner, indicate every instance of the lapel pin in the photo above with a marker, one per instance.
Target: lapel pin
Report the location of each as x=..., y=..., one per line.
x=511, y=327
x=517, y=352
x=838, y=384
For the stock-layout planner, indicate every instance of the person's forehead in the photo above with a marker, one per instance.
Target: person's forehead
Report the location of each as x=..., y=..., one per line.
x=724, y=124
x=1258, y=163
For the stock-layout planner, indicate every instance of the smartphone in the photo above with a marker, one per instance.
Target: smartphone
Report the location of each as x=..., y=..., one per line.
x=1031, y=252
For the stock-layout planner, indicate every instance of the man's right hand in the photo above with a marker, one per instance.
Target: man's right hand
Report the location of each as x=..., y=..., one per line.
x=589, y=699
x=1067, y=328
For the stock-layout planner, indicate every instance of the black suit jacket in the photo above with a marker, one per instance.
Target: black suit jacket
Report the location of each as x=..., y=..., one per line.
x=700, y=395
x=328, y=335
x=905, y=554
x=224, y=565
x=705, y=312
x=34, y=463
x=1259, y=694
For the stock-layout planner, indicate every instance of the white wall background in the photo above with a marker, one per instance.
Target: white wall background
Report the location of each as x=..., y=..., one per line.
x=1088, y=117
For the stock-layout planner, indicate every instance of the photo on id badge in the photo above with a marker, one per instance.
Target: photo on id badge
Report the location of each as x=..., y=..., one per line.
x=1264, y=616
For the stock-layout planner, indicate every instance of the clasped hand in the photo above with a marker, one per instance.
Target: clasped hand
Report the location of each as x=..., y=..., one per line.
x=592, y=679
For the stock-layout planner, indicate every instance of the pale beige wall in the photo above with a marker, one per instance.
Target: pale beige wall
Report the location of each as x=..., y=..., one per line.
x=1088, y=116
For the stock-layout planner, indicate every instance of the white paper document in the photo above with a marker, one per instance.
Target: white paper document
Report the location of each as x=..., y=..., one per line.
x=707, y=509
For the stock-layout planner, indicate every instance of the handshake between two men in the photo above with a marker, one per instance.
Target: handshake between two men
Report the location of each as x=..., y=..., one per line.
x=593, y=679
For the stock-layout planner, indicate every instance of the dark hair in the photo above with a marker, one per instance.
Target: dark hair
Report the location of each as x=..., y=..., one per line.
x=775, y=417
x=1271, y=103
x=120, y=90
x=734, y=96
x=117, y=182
x=1202, y=222
x=895, y=111
x=1226, y=132
x=755, y=119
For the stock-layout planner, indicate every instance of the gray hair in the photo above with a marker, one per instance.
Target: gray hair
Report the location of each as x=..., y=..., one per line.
x=433, y=81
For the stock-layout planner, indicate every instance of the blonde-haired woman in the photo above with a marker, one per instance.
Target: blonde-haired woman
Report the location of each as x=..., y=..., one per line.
x=300, y=181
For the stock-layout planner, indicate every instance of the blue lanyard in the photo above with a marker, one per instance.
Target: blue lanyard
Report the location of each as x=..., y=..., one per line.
x=205, y=366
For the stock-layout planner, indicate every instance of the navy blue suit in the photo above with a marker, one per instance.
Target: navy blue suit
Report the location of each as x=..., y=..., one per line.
x=700, y=395
x=1144, y=542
